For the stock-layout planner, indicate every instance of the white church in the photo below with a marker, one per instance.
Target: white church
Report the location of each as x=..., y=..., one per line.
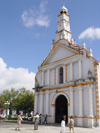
x=67, y=82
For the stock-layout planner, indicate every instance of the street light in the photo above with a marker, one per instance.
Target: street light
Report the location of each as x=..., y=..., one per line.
x=7, y=103
x=89, y=74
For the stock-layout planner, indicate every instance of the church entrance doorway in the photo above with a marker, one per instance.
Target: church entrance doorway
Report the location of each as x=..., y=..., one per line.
x=61, y=109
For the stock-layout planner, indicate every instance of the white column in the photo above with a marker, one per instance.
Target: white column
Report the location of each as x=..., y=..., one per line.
x=35, y=106
x=71, y=72
x=90, y=102
x=53, y=114
x=48, y=77
x=64, y=74
x=47, y=103
x=69, y=114
x=79, y=69
x=71, y=102
x=90, y=121
x=80, y=102
x=41, y=103
x=42, y=80
x=80, y=120
x=57, y=76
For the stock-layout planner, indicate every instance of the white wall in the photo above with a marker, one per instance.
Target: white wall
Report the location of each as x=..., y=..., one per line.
x=60, y=53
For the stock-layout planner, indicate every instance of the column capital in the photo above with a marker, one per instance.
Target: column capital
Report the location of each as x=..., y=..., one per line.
x=47, y=92
x=41, y=92
x=42, y=70
x=90, y=86
x=36, y=93
x=71, y=89
x=80, y=88
x=79, y=59
x=70, y=62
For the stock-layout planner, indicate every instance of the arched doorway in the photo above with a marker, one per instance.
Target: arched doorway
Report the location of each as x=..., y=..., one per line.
x=61, y=108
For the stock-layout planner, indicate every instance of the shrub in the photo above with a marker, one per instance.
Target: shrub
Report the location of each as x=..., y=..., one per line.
x=9, y=116
x=15, y=118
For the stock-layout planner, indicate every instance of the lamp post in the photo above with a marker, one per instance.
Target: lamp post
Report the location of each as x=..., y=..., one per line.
x=89, y=74
x=7, y=103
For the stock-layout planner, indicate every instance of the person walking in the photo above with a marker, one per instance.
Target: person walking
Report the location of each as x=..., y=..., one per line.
x=19, y=119
x=0, y=118
x=63, y=125
x=40, y=119
x=71, y=124
x=36, y=121
x=45, y=118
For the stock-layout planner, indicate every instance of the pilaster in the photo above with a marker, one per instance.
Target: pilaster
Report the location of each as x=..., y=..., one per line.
x=57, y=76
x=64, y=74
x=35, y=105
x=79, y=68
x=71, y=102
x=54, y=76
x=53, y=113
x=80, y=120
x=80, y=102
x=47, y=103
x=48, y=77
x=90, y=102
x=42, y=80
x=71, y=72
x=41, y=103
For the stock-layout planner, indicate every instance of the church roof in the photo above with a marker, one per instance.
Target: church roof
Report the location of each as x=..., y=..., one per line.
x=76, y=49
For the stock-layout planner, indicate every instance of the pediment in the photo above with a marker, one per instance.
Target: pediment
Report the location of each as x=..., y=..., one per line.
x=60, y=51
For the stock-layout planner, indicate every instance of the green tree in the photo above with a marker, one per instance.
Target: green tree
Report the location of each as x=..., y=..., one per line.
x=8, y=95
x=22, y=99
x=2, y=101
x=25, y=100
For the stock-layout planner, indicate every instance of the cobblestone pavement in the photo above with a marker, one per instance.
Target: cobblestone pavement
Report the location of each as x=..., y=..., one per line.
x=8, y=127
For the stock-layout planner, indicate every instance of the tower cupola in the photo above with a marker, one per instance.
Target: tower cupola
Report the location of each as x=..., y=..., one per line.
x=63, y=10
x=63, y=31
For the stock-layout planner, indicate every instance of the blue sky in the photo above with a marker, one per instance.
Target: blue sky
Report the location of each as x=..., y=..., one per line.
x=27, y=28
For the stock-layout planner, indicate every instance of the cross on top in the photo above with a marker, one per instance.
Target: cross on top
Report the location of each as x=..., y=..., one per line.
x=63, y=2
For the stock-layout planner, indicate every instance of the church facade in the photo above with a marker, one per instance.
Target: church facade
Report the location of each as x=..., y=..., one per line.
x=67, y=82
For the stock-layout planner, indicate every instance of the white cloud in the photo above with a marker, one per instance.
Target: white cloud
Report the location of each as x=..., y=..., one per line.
x=16, y=78
x=92, y=33
x=34, y=17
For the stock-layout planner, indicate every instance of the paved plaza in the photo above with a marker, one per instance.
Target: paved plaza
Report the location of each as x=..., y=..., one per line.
x=9, y=127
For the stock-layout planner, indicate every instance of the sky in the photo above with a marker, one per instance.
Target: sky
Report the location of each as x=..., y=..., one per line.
x=27, y=28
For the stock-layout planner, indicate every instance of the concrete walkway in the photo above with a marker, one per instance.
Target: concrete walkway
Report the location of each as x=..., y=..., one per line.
x=8, y=127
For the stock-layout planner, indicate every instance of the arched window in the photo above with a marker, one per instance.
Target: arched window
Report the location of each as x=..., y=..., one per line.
x=61, y=75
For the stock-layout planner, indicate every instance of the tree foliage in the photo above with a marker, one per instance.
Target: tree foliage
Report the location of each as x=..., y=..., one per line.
x=22, y=99
x=25, y=100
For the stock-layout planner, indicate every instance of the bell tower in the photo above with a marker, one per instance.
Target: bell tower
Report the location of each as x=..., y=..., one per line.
x=63, y=31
